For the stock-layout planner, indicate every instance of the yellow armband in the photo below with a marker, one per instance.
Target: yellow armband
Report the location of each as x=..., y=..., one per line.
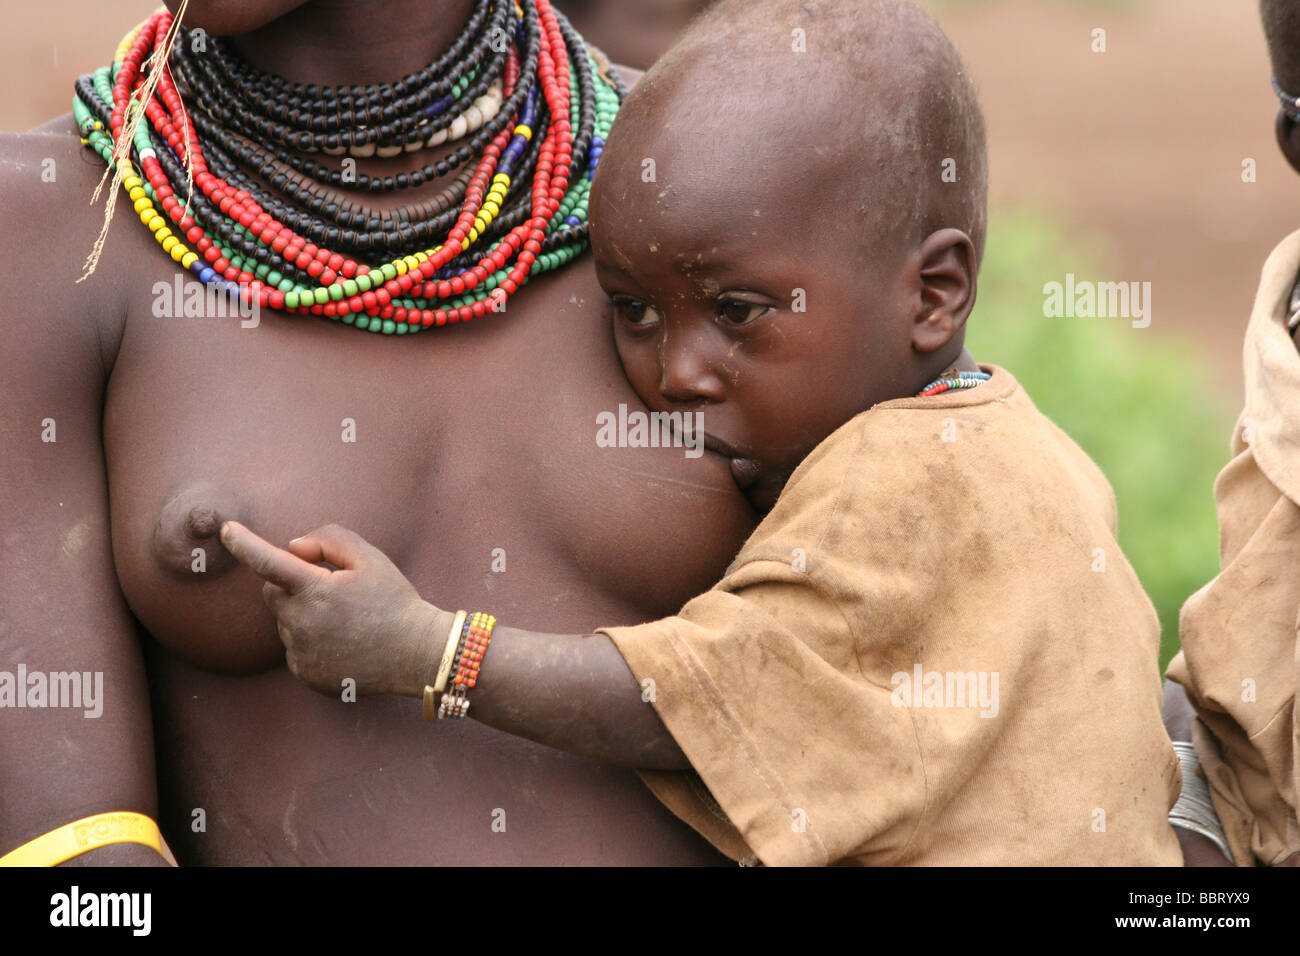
x=81, y=836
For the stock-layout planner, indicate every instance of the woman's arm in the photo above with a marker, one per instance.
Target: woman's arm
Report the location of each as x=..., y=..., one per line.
x=61, y=611
x=366, y=622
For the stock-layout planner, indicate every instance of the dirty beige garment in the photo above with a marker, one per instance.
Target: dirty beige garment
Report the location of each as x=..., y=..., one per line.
x=962, y=536
x=1239, y=655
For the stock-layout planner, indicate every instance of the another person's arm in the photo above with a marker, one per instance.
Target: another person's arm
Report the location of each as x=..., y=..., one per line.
x=1178, y=714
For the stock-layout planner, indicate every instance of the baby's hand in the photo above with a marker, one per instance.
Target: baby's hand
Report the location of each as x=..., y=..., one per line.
x=363, y=621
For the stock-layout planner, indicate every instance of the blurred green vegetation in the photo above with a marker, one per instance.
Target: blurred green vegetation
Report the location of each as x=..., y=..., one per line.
x=1136, y=400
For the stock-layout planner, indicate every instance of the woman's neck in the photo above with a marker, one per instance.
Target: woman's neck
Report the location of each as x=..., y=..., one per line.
x=343, y=42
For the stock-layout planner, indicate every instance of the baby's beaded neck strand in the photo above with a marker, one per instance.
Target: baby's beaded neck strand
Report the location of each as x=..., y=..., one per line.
x=953, y=381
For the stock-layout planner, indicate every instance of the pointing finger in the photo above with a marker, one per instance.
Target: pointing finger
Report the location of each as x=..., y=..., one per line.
x=269, y=562
x=333, y=543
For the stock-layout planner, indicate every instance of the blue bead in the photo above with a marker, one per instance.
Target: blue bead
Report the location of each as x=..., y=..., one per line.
x=207, y=275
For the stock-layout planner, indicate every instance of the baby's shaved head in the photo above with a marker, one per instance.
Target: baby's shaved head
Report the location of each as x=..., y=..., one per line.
x=866, y=97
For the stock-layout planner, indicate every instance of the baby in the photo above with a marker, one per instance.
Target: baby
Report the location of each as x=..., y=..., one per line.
x=931, y=650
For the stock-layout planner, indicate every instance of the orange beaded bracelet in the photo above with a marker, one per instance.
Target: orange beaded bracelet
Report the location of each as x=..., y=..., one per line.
x=469, y=660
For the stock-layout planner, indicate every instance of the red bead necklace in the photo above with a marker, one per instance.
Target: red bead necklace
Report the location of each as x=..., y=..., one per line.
x=360, y=288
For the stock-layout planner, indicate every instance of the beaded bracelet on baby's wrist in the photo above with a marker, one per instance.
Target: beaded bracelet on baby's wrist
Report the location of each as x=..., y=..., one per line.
x=458, y=670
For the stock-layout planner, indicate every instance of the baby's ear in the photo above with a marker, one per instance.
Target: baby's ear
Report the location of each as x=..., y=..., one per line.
x=1288, y=138
x=947, y=280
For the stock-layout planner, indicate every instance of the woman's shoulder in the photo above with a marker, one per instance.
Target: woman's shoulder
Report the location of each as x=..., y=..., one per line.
x=44, y=169
x=54, y=139
x=47, y=178
x=630, y=74
x=65, y=125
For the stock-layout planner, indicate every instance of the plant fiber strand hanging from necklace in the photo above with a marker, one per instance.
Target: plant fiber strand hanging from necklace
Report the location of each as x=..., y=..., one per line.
x=291, y=243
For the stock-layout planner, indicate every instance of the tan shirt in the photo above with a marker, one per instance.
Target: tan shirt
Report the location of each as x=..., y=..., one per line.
x=1239, y=656
x=932, y=651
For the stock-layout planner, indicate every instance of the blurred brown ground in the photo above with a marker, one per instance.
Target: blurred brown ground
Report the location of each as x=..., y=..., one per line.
x=1142, y=144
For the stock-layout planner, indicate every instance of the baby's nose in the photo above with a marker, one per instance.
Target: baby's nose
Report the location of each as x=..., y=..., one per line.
x=687, y=373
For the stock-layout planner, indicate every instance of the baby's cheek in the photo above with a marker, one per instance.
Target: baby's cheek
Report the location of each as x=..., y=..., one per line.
x=799, y=426
x=640, y=366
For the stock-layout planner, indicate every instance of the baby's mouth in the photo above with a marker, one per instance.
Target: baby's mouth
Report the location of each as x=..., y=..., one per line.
x=726, y=449
x=746, y=471
x=744, y=468
x=761, y=486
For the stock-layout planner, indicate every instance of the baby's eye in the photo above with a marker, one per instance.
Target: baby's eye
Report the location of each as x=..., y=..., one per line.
x=634, y=311
x=736, y=312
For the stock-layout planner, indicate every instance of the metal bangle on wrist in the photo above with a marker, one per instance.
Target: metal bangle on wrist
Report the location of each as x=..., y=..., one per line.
x=1194, y=810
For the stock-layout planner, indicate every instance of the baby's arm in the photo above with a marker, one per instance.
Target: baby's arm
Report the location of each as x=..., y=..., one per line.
x=365, y=622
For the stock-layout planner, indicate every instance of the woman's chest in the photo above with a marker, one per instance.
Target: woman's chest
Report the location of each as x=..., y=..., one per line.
x=471, y=459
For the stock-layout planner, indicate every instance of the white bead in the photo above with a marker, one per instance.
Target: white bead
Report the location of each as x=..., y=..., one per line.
x=459, y=126
x=366, y=150
x=148, y=153
x=473, y=118
x=387, y=152
x=437, y=139
x=335, y=151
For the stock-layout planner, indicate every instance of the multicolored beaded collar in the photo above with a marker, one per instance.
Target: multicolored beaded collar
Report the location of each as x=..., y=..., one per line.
x=517, y=205
x=951, y=381
x=1290, y=104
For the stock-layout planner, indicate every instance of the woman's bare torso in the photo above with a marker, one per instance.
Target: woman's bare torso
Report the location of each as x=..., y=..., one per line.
x=467, y=440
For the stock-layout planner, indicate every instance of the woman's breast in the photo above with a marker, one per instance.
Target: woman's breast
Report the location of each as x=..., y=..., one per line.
x=469, y=456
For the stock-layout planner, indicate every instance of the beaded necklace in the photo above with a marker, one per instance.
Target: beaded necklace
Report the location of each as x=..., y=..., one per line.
x=516, y=207
x=1290, y=104
x=952, y=381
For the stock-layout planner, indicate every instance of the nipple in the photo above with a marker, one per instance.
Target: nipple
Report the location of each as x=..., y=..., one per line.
x=185, y=539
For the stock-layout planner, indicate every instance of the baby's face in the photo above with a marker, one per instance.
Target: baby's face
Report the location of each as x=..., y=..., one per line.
x=740, y=290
